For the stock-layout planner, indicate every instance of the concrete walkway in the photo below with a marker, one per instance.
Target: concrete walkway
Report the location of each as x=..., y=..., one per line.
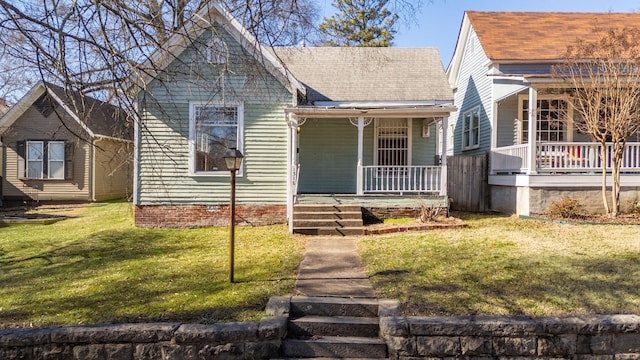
x=332, y=267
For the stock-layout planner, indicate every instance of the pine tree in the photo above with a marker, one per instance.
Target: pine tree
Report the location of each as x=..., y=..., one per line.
x=366, y=23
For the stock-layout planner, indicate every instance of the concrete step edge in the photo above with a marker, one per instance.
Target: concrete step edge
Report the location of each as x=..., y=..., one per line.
x=329, y=306
x=340, y=347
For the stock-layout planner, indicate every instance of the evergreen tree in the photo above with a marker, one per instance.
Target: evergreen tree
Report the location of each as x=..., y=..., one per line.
x=367, y=23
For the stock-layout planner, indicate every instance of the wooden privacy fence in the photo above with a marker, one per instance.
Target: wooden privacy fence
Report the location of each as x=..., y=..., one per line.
x=467, y=183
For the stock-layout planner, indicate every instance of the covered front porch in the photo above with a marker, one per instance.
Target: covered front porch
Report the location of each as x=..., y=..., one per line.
x=542, y=138
x=364, y=156
x=538, y=156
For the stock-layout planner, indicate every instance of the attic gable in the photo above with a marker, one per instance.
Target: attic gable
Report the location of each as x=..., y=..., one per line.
x=212, y=13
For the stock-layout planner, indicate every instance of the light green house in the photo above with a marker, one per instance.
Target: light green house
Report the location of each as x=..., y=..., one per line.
x=321, y=121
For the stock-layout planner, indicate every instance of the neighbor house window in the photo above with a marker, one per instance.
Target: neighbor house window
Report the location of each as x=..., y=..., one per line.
x=215, y=129
x=55, y=159
x=471, y=129
x=35, y=159
x=42, y=159
x=550, y=119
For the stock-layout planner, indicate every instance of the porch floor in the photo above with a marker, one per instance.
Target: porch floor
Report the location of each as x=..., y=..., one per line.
x=375, y=200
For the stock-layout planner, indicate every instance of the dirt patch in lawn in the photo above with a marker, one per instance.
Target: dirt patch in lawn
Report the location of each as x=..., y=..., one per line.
x=622, y=219
x=414, y=225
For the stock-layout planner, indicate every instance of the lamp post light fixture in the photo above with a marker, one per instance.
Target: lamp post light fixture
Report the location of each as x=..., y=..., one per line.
x=233, y=162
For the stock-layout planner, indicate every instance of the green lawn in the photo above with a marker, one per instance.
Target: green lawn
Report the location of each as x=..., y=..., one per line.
x=97, y=267
x=507, y=266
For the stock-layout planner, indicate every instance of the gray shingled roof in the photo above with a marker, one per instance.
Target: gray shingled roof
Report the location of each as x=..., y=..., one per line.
x=102, y=118
x=368, y=74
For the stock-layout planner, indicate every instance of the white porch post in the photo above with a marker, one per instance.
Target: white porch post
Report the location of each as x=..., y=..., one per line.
x=359, y=178
x=443, y=156
x=533, y=128
x=292, y=146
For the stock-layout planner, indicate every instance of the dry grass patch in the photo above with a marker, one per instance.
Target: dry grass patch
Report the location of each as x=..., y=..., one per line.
x=509, y=266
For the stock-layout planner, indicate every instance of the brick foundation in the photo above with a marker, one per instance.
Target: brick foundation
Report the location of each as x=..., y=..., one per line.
x=195, y=216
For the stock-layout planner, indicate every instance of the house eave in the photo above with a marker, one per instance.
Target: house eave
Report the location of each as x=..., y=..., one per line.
x=381, y=111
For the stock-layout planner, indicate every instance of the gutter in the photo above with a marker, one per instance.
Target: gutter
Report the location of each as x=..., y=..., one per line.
x=334, y=112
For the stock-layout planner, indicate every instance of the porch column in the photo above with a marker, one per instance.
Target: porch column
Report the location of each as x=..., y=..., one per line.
x=443, y=156
x=292, y=146
x=359, y=179
x=533, y=128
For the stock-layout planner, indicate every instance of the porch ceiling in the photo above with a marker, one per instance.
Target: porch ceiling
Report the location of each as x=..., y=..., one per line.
x=378, y=112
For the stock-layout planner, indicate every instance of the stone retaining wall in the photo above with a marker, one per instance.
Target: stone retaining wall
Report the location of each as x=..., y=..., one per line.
x=248, y=340
x=615, y=337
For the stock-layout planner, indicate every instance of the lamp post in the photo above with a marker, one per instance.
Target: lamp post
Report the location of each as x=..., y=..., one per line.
x=233, y=162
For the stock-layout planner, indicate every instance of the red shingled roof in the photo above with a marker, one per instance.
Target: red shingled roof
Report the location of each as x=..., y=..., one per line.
x=540, y=35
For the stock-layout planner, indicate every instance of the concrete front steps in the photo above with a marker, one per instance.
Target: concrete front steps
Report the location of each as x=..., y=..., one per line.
x=334, y=328
x=322, y=219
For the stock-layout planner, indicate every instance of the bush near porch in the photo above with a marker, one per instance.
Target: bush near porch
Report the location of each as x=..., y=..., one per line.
x=96, y=267
x=508, y=266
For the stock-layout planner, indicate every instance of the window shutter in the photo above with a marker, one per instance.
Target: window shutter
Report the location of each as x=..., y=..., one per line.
x=68, y=160
x=21, y=151
x=45, y=159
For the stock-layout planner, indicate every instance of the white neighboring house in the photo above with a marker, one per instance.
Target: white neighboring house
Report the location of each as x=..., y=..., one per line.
x=507, y=100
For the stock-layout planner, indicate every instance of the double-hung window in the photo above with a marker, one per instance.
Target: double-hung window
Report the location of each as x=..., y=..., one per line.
x=471, y=129
x=215, y=129
x=551, y=114
x=55, y=159
x=45, y=159
x=216, y=51
x=35, y=159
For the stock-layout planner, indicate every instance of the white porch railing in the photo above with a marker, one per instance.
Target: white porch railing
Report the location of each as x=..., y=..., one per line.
x=510, y=159
x=402, y=179
x=563, y=157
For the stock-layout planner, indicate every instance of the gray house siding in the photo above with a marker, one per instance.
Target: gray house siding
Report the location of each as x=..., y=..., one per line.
x=473, y=89
x=520, y=69
x=163, y=154
x=507, y=121
x=423, y=149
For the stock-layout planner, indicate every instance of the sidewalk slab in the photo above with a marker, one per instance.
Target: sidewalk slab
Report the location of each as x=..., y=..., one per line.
x=332, y=267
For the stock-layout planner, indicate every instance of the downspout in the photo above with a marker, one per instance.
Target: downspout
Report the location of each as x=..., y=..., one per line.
x=92, y=170
x=292, y=126
x=443, y=156
x=533, y=127
x=359, y=176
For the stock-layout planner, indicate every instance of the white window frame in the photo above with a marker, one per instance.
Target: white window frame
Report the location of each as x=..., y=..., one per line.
x=378, y=122
x=49, y=161
x=467, y=129
x=216, y=51
x=568, y=125
x=28, y=159
x=192, y=136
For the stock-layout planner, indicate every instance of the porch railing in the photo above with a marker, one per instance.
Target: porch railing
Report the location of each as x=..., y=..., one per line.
x=510, y=159
x=402, y=179
x=563, y=157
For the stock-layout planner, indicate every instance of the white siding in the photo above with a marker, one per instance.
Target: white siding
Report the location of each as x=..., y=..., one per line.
x=473, y=89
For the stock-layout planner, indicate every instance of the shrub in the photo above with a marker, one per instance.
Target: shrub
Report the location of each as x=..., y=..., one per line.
x=428, y=213
x=565, y=207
